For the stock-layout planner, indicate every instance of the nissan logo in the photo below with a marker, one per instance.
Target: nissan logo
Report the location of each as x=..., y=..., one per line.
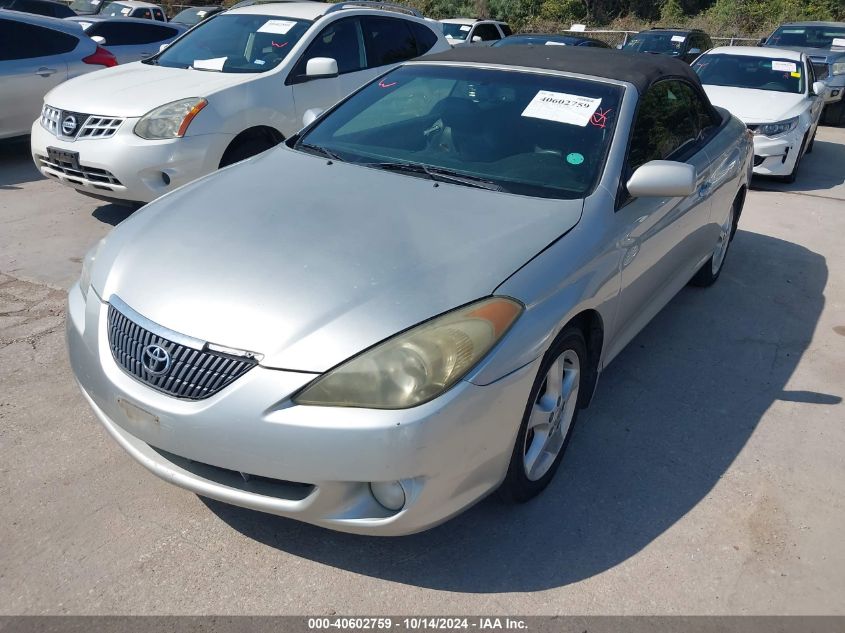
x=155, y=359
x=69, y=125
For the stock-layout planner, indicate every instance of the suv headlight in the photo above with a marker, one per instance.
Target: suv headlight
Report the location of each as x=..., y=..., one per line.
x=87, y=265
x=837, y=68
x=778, y=128
x=170, y=120
x=417, y=365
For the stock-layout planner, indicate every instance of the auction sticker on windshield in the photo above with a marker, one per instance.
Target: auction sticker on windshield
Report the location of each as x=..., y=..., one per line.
x=785, y=67
x=838, y=41
x=562, y=107
x=279, y=27
x=678, y=38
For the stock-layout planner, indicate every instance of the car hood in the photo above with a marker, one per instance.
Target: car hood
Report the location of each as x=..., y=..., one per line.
x=308, y=262
x=756, y=106
x=132, y=90
x=828, y=54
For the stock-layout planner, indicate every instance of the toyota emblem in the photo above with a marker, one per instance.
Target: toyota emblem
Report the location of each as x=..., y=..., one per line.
x=69, y=125
x=155, y=359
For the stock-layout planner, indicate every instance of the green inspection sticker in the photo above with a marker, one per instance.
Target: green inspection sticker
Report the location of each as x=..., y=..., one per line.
x=574, y=158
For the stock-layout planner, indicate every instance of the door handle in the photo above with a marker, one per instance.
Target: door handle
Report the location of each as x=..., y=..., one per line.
x=45, y=72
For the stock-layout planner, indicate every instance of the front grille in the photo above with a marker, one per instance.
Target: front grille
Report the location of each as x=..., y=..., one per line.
x=84, y=175
x=193, y=373
x=821, y=70
x=86, y=125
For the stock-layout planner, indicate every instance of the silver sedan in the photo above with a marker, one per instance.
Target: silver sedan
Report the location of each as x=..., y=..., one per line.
x=403, y=308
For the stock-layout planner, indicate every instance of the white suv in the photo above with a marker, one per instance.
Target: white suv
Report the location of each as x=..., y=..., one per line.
x=474, y=32
x=235, y=85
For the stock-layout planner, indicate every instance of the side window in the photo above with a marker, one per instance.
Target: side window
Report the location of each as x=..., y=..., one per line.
x=487, y=32
x=142, y=13
x=506, y=29
x=35, y=7
x=150, y=33
x=425, y=37
x=27, y=41
x=666, y=122
x=704, y=117
x=158, y=15
x=342, y=41
x=389, y=41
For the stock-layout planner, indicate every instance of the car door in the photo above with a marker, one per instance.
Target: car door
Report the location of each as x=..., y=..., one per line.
x=31, y=64
x=816, y=102
x=658, y=236
x=343, y=41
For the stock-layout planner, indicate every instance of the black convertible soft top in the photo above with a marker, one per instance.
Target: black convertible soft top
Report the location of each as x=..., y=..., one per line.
x=640, y=69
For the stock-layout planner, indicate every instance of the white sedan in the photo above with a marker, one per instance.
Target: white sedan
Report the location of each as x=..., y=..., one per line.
x=774, y=92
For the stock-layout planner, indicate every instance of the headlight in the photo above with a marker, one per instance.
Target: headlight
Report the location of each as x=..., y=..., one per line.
x=87, y=265
x=776, y=129
x=419, y=364
x=838, y=68
x=170, y=120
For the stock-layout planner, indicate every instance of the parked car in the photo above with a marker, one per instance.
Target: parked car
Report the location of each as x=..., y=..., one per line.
x=540, y=39
x=472, y=31
x=39, y=53
x=824, y=44
x=403, y=307
x=88, y=7
x=38, y=7
x=194, y=15
x=774, y=92
x=133, y=9
x=130, y=39
x=233, y=86
x=685, y=44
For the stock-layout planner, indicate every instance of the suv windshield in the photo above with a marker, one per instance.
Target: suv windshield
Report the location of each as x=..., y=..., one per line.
x=657, y=42
x=520, y=132
x=85, y=7
x=757, y=73
x=189, y=17
x=456, y=31
x=808, y=36
x=234, y=43
x=115, y=9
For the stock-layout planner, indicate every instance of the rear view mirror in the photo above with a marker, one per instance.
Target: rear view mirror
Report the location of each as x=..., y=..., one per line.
x=662, y=179
x=819, y=88
x=476, y=38
x=310, y=116
x=321, y=68
x=99, y=39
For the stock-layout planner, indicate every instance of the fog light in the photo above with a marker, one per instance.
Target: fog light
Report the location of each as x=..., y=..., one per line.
x=165, y=178
x=390, y=494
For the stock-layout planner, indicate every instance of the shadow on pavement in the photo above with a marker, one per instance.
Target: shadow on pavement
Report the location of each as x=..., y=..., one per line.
x=670, y=416
x=16, y=166
x=114, y=214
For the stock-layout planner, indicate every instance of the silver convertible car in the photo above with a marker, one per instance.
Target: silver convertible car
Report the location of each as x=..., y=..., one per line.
x=403, y=307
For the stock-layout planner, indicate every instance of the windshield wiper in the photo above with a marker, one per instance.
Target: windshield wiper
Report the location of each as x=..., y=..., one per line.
x=440, y=173
x=316, y=149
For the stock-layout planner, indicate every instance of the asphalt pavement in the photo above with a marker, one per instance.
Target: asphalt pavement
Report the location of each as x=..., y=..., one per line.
x=708, y=477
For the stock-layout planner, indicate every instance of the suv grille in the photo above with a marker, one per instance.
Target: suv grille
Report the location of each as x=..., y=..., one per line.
x=188, y=372
x=84, y=125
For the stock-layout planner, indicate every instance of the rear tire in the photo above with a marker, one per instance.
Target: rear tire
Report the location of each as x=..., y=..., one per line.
x=549, y=418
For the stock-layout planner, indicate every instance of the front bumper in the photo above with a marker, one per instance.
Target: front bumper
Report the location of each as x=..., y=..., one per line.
x=127, y=167
x=313, y=464
x=776, y=156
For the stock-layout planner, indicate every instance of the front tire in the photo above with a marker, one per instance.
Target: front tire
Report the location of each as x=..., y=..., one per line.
x=712, y=268
x=549, y=418
x=245, y=148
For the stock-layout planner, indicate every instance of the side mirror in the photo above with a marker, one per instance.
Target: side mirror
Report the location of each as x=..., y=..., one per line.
x=162, y=47
x=662, y=179
x=321, y=68
x=619, y=47
x=819, y=88
x=476, y=39
x=310, y=116
x=99, y=39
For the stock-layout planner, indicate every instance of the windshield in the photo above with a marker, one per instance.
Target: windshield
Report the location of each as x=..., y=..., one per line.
x=85, y=7
x=234, y=43
x=757, y=73
x=456, y=31
x=665, y=43
x=116, y=9
x=808, y=36
x=538, y=40
x=519, y=132
x=189, y=17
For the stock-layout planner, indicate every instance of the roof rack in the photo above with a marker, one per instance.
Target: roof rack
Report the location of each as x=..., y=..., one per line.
x=373, y=4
